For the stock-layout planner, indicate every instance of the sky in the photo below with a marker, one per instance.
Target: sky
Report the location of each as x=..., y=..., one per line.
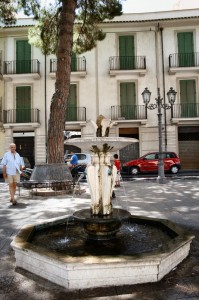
x=140, y=6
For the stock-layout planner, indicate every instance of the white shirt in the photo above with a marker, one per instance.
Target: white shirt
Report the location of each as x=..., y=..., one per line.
x=12, y=162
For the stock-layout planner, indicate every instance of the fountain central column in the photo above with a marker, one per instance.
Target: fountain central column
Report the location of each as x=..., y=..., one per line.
x=101, y=176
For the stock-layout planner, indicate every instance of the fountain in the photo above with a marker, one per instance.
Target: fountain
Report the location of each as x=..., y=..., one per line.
x=101, y=245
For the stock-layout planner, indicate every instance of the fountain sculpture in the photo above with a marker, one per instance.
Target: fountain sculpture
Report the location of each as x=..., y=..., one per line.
x=102, y=254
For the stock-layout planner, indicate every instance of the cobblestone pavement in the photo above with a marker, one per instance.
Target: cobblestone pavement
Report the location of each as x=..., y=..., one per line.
x=177, y=200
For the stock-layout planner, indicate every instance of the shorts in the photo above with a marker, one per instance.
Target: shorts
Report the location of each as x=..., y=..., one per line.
x=13, y=178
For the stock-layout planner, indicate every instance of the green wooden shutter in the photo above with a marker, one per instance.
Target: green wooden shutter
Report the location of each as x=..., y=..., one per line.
x=71, y=112
x=128, y=100
x=126, y=52
x=185, y=49
x=73, y=62
x=188, y=98
x=23, y=104
x=23, y=57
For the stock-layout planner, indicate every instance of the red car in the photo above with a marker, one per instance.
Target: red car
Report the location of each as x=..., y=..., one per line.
x=149, y=163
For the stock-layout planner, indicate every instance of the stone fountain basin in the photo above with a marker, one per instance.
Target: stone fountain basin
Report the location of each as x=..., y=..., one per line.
x=100, y=271
x=87, y=143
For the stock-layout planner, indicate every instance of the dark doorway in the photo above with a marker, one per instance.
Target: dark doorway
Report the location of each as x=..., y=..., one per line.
x=132, y=151
x=26, y=148
x=188, y=139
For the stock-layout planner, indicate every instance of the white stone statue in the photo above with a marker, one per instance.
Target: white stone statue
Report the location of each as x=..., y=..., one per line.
x=101, y=176
x=102, y=126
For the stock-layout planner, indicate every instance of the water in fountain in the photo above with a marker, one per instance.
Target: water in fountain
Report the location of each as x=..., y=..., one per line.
x=134, y=237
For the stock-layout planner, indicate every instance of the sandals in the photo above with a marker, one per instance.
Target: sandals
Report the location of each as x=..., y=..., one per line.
x=13, y=202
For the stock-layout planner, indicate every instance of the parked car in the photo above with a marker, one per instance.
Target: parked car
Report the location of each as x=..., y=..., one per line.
x=83, y=158
x=25, y=162
x=149, y=163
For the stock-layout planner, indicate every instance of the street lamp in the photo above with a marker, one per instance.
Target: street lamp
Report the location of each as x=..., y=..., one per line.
x=146, y=94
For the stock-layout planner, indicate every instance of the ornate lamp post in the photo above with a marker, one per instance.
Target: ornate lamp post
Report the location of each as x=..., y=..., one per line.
x=146, y=94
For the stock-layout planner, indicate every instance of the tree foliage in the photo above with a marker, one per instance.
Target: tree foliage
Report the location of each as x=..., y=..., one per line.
x=7, y=11
x=88, y=15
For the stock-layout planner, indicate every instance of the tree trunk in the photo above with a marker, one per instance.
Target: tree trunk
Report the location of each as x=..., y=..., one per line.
x=56, y=124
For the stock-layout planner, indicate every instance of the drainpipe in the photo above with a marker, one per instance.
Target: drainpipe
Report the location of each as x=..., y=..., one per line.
x=157, y=57
x=45, y=99
x=97, y=80
x=163, y=83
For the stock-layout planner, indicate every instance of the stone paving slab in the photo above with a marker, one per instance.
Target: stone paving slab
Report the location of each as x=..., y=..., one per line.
x=178, y=200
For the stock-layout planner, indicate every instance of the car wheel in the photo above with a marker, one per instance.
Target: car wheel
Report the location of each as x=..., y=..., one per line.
x=174, y=169
x=134, y=171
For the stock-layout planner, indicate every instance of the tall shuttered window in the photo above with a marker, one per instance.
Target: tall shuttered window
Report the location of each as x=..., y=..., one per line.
x=23, y=57
x=73, y=62
x=188, y=98
x=23, y=104
x=185, y=49
x=71, y=112
x=126, y=52
x=128, y=100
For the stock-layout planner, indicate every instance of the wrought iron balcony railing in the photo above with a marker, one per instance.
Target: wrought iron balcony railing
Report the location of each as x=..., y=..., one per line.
x=25, y=115
x=21, y=67
x=128, y=112
x=186, y=110
x=75, y=114
x=77, y=65
x=177, y=60
x=127, y=62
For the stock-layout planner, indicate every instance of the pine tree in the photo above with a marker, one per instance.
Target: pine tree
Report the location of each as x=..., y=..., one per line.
x=63, y=27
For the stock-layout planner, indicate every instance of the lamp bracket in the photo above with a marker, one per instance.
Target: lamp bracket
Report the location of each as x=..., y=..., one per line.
x=152, y=106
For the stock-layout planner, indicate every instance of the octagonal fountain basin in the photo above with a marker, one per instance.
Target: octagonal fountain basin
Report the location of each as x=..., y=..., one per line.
x=144, y=250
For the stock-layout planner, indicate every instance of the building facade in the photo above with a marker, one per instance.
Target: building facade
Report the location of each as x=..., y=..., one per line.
x=155, y=50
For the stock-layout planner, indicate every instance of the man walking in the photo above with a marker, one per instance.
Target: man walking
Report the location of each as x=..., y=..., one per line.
x=12, y=168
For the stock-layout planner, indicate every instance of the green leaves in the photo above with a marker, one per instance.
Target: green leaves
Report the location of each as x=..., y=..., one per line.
x=89, y=15
x=7, y=11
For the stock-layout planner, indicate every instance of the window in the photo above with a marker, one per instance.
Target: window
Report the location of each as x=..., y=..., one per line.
x=151, y=156
x=23, y=57
x=71, y=112
x=73, y=62
x=126, y=52
x=185, y=49
x=188, y=98
x=128, y=100
x=23, y=104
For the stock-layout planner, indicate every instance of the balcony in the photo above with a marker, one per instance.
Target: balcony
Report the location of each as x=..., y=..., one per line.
x=78, y=67
x=186, y=110
x=21, y=118
x=21, y=68
x=128, y=112
x=75, y=114
x=127, y=65
x=182, y=62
